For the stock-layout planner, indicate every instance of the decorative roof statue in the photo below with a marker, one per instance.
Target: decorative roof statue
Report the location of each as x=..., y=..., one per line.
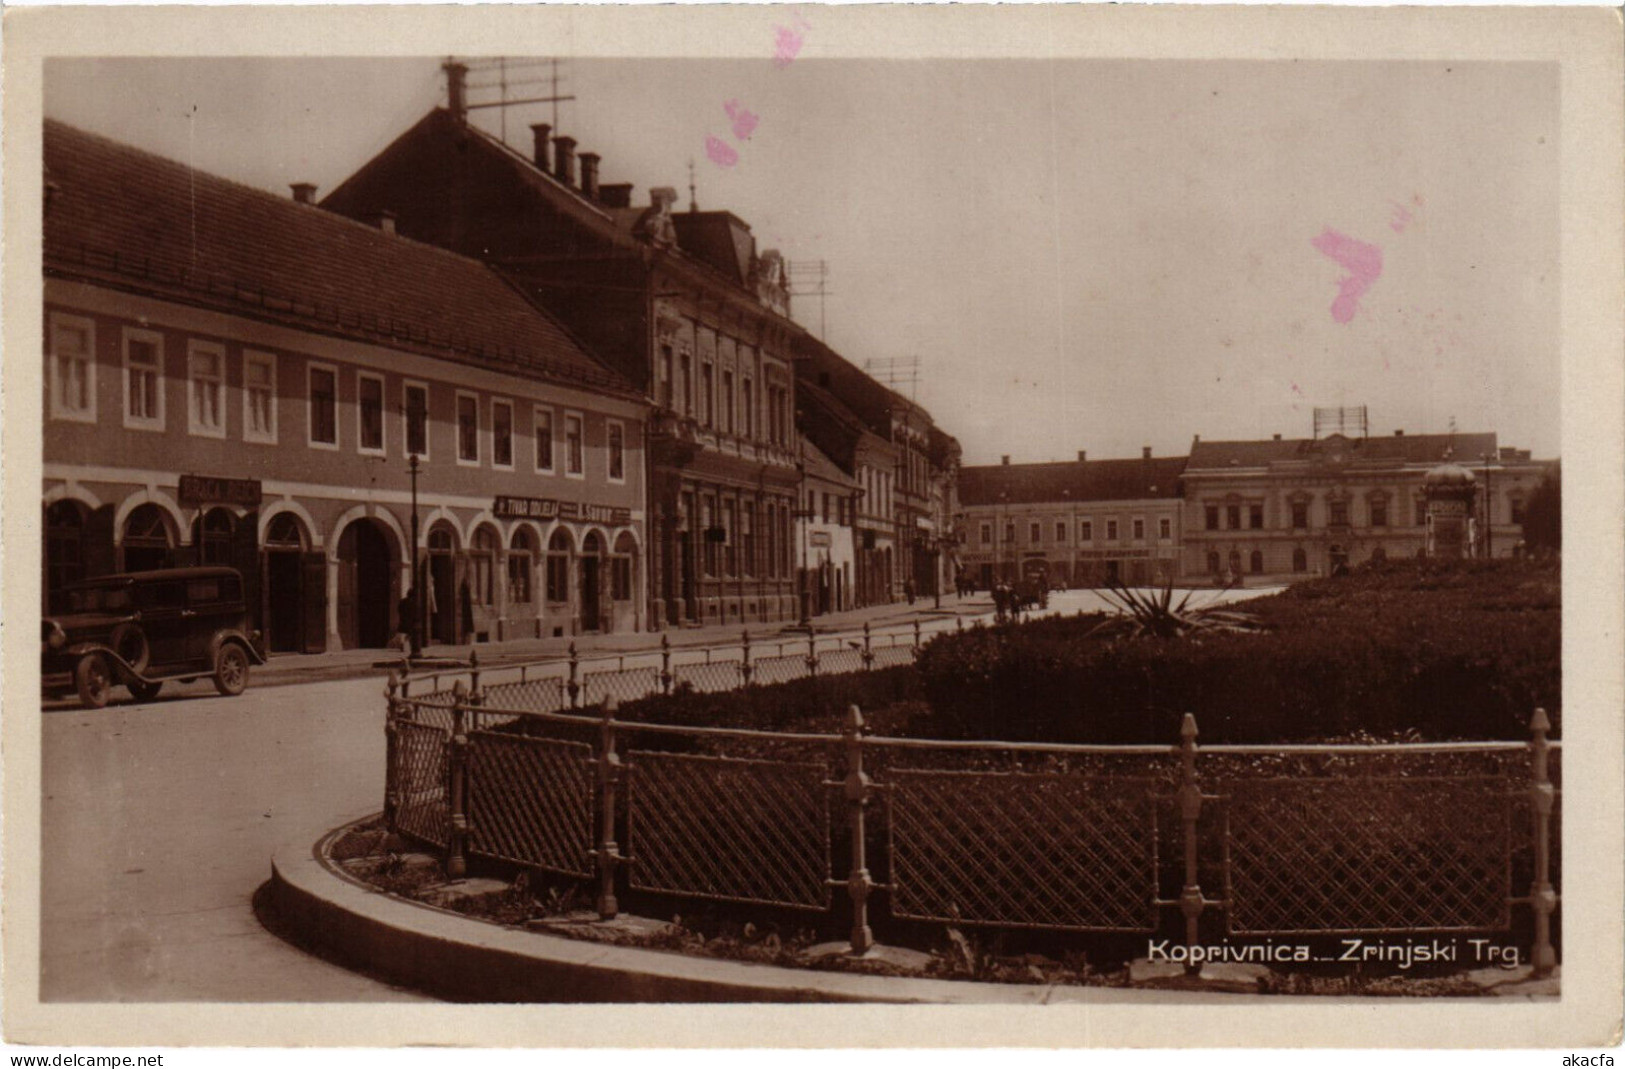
x=655, y=225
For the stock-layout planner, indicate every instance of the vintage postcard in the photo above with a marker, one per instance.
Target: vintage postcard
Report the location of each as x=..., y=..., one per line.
x=881, y=526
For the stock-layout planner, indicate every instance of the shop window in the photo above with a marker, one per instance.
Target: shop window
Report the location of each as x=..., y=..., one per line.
x=143, y=380
x=502, y=434
x=205, y=390
x=468, y=428
x=484, y=563
x=620, y=569
x=558, y=567
x=370, y=413
x=259, y=398
x=574, y=457
x=1300, y=561
x=521, y=556
x=73, y=368
x=417, y=420
x=323, y=391
x=146, y=540
x=617, y=451
x=212, y=535
x=284, y=532
x=64, y=545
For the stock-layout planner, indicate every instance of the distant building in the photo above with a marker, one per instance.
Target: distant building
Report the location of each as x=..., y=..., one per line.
x=238, y=378
x=825, y=552
x=1082, y=523
x=1304, y=506
x=871, y=460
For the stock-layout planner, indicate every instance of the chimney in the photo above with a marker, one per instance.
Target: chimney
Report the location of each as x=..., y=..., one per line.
x=564, y=160
x=539, y=132
x=1145, y=452
x=1198, y=438
x=618, y=195
x=1005, y=460
x=1083, y=455
x=589, y=175
x=455, y=99
x=304, y=192
x=1275, y=437
x=1399, y=434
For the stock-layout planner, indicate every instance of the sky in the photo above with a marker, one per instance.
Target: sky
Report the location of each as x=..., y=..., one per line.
x=1083, y=254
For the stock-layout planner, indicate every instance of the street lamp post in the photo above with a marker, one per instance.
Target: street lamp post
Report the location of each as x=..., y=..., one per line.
x=419, y=603
x=1489, y=511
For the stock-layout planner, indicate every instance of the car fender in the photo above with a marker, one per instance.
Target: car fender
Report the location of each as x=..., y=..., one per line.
x=81, y=650
x=234, y=635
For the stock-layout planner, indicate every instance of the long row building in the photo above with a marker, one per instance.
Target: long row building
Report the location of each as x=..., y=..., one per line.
x=577, y=413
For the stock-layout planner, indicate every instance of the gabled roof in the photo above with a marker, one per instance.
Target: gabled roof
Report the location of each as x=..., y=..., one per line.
x=1393, y=449
x=141, y=222
x=818, y=466
x=1074, y=480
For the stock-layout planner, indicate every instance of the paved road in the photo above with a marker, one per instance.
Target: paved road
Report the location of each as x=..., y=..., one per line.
x=158, y=825
x=159, y=821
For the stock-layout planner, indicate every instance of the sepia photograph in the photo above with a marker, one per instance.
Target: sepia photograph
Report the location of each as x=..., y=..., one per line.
x=548, y=520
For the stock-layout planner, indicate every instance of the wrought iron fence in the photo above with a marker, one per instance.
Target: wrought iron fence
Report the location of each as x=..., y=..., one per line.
x=1299, y=839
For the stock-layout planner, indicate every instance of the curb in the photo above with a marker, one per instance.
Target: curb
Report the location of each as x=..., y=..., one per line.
x=464, y=960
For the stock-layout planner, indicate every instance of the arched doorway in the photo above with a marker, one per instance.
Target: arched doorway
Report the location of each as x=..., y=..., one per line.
x=212, y=536
x=442, y=584
x=366, y=592
x=146, y=543
x=592, y=559
x=623, y=568
x=521, y=567
x=285, y=588
x=558, y=576
x=64, y=546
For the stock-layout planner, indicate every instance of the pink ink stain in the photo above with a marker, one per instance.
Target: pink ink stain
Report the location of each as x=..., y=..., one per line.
x=1363, y=263
x=744, y=120
x=1401, y=219
x=722, y=154
x=788, y=40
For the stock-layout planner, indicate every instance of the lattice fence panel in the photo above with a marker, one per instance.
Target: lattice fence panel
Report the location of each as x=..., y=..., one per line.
x=709, y=678
x=892, y=656
x=778, y=669
x=432, y=710
x=715, y=827
x=1367, y=854
x=625, y=685
x=838, y=662
x=531, y=801
x=1024, y=850
x=421, y=776
x=530, y=696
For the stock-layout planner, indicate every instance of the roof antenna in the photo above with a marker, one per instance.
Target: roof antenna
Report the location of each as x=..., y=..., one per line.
x=693, y=201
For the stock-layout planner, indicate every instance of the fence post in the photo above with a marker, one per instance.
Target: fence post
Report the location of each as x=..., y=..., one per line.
x=1190, y=808
x=665, y=663
x=392, y=786
x=959, y=624
x=573, y=687
x=456, y=864
x=744, y=667
x=916, y=636
x=1542, y=897
x=609, y=765
x=856, y=789
x=812, y=654
x=476, y=696
x=868, y=655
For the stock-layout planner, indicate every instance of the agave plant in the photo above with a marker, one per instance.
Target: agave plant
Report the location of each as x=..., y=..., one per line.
x=1153, y=614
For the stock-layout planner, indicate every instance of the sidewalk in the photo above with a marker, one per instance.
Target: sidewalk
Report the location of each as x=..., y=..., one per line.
x=287, y=668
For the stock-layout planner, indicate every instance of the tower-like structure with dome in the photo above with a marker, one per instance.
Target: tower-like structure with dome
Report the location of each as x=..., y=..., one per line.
x=1450, y=490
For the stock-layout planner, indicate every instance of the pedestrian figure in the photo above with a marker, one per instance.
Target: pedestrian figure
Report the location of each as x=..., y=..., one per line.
x=908, y=590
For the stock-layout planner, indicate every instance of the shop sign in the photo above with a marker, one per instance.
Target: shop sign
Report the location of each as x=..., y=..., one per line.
x=1112, y=554
x=211, y=490
x=821, y=539
x=549, y=508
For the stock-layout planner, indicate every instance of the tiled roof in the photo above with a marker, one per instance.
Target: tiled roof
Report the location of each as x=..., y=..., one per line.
x=1393, y=449
x=819, y=466
x=1073, y=480
x=143, y=222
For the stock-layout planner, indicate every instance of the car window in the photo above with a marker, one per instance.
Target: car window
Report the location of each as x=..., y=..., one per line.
x=161, y=595
x=203, y=591
x=114, y=598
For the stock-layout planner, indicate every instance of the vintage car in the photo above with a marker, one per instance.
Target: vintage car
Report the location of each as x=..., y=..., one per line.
x=140, y=629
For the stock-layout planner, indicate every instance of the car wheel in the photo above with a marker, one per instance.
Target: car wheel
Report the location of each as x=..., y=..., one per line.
x=93, y=678
x=130, y=643
x=230, y=670
x=144, y=691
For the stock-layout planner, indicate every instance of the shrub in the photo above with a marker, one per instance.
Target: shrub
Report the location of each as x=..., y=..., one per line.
x=1462, y=651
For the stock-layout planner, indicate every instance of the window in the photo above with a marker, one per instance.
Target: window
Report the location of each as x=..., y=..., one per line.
x=747, y=409
x=1235, y=562
x=211, y=536
x=1165, y=528
x=728, y=401
x=1009, y=532
x=1300, y=561
x=206, y=389
x=707, y=402
x=64, y=546
x=521, y=554
x=73, y=368
x=747, y=531
x=1300, y=515
x=665, y=376
x=1517, y=510
x=544, y=440
x=502, y=434
x=617, y=452
x=1060, y=530
x=1086, y=531
x=1421, y=512
x=709, y=534
x=685, y=386
x=1379, y=513
x=1111, y=530
x=484, y=561
x=323, y=387
x=730, y=549
x=987, y=534
x=1255, y=563
x=1339, y=512
x=1213, y=517
x=369, y=390
x=574, y=459
x=1035, y=533
x=1213, y=563
x=468, y=428
x=259, y=398
x=417, y=419
x=1232, y=517
x=826, y=510
x=558, y=567
x=1139, y=529
x=1255, y=517
x=143, y=380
